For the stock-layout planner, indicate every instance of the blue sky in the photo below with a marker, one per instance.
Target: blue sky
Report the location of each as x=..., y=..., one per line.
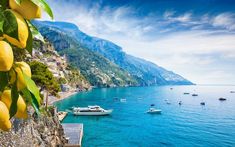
x=193, y=38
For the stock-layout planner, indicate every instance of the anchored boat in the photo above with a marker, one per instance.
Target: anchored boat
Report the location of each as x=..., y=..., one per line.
x=91, y=110
x=154, y=111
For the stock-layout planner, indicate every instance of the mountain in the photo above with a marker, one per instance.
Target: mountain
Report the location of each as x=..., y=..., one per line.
x=139, y=71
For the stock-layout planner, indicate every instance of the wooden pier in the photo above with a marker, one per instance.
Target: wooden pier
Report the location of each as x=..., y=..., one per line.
x=74, y=133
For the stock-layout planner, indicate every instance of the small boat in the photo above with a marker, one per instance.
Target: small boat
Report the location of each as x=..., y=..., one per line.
x=168, y=103
x=232, y=91
x=186, y=93
x=123, y=100
x=154, y=111
x=194, y=94
x=180, y=102
x=91, y=111
x=171, y=88
x=222, y=99
x=203, y=103
x=115, y=99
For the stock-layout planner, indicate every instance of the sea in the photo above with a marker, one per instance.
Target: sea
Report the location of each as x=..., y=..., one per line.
x=187, y=125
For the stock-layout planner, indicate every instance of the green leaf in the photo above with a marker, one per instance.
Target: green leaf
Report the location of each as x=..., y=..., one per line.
x=1, y=21
x=3, y=4
x=36, y=34
x=29, y=46
x=31, y=99
x=44, y=6
x=35, y=104
x=3, y=80
x=27, y=95
x=1, y=25
x=31, y=86
x=14, y=98
x=10, y=26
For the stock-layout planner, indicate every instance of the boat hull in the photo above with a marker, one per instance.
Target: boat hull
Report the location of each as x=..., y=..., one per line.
x=107, y=112
x=155, y=112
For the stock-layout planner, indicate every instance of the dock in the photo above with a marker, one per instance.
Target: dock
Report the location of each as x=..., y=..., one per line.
x=74, y=133
x=61, y=115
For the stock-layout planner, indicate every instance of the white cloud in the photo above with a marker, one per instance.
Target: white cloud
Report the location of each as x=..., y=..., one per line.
x=225, y=20
x=190, y=52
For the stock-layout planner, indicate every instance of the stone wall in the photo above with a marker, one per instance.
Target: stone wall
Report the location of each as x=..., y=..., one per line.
x=43, y=131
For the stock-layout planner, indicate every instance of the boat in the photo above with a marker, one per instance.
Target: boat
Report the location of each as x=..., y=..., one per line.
x=168, y=103
x=123, y=100
x=186, y=93
x=194, y=94
x=91, y=110
x=115, y=99
x=232, y=91
x=154, y=111
x=203, y=103
x=222, y=99
x=180, y=102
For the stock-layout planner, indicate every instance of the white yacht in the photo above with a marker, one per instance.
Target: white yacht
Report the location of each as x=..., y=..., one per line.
x=123, y=100
x=155, y=111
x=91, y=110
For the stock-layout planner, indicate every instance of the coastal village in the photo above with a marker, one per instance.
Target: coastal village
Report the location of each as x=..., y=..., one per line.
x=58, y=66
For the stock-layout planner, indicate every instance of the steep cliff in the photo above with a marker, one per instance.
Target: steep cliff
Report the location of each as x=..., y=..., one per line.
x=43, y=131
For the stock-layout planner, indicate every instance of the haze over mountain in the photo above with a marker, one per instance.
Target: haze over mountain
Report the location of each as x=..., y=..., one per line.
x=69, y=40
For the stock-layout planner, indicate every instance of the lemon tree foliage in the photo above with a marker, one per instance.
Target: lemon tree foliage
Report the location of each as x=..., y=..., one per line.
x=17, y=89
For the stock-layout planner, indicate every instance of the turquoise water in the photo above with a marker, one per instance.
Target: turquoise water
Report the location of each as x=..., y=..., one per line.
x=187, y=125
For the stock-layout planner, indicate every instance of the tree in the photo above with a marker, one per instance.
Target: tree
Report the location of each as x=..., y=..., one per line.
x=44, y=78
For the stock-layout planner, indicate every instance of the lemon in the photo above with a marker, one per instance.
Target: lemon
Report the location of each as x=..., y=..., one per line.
x=6, y=56
x=5, y=123
x=20, y=68
x=23, y=32
x=25, y=68
x=21, y=105
x=27, y=9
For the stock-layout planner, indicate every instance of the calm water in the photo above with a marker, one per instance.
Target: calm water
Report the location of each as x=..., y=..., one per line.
x=187, y=125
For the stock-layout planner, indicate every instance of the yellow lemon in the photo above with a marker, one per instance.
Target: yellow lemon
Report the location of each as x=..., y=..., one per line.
x=23, y=32
x=21, y=105
x=6, y=56
x=5, y=123
x=27, y=9
x=21, y=67
x=25, y=68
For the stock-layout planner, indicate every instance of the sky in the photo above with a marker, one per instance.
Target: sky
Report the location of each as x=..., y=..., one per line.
x=194, y=38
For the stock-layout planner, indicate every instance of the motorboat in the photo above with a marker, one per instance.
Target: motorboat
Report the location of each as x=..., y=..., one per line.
x=232, y=91
x=186, y=93
x=91, y=110
x=203, y=103
x=222, y=99
x=180, y=102
x=123, y=100
x=154, y=111
x=168, y=102
x=194, y=94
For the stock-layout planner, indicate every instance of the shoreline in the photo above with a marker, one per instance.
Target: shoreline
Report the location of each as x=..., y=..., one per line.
x=63, y=95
